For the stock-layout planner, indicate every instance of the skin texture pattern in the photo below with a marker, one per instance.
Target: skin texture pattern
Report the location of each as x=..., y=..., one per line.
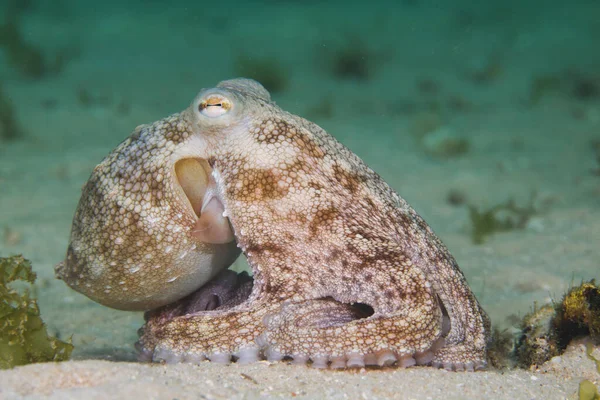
x=344, y=271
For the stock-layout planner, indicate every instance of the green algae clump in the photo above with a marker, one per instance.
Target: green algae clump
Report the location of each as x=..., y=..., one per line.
x=578, y=314
x=23, y=335
x=503, y=217
x=548, y=330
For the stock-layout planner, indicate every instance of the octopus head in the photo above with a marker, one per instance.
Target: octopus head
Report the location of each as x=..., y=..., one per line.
x=150, y=227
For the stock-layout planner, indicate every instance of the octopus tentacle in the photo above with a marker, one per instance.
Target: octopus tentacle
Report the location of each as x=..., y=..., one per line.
x=214, y=335
x=319, y=330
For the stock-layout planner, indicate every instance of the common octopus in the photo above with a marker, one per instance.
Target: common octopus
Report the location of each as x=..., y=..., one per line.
x=344, y=272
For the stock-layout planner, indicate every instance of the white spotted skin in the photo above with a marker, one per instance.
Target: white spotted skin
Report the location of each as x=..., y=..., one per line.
x=321, y=232
x=131, y=246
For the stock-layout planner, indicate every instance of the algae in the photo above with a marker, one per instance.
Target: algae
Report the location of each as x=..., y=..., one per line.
x=9, y=126
x=352, y=61
x=578, y=314
x=444, y=143
x=23, y=335
x=26, y=58
x=548, y=330
x=595, y=145
x=500, y=348
x=572, y=83
x=351, y=58
x=500, y=218
x=542, y=86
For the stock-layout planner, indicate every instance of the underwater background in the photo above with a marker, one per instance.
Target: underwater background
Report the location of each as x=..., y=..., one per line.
x=484, y=116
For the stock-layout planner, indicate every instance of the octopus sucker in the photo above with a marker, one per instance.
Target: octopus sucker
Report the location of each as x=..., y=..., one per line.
x=385, y=358
x=344, y=273
x=248, y=355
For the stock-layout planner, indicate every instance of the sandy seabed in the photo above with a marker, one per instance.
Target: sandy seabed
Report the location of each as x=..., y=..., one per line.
x=474, y=71
x=557, y=379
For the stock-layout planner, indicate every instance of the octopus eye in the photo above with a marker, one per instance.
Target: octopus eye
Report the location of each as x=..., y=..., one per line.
x=214, y=106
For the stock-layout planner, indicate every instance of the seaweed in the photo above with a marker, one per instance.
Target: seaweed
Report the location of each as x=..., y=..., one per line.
x=21, y=55
x=583, y=86
x=26, y=58
x=541, y=86
x=23, y=335
x=595, y=145
x=573, y=84
x=268, y=71
x=444, y=143
x=500, y=348
x=456, y=197
x=500, y=218
x=86, y=98
x=351, y=60
x=436, y=139
x=578, y=314
x=9, y=127
x=548, y=330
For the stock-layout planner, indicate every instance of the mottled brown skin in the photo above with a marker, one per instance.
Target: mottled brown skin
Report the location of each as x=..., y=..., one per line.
x=324, y=236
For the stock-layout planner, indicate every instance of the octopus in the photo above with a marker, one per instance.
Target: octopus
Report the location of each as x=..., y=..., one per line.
x=344, y=273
